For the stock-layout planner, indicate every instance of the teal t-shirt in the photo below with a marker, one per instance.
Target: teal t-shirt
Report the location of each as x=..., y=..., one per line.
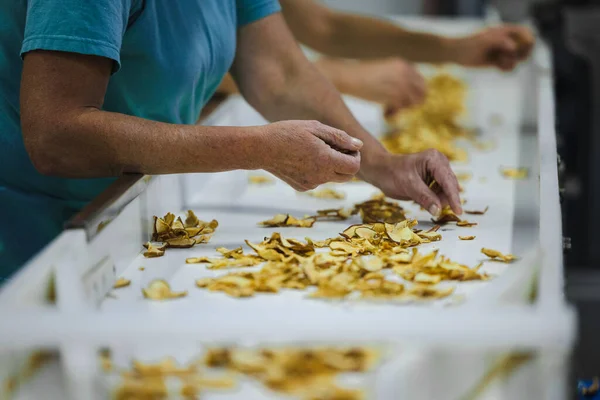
x=170, y=56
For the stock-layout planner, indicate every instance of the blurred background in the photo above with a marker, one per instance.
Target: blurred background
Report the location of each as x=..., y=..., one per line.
x=572, y=29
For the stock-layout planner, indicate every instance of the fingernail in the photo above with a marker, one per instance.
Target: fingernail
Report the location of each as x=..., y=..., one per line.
x=434, y=210
x=357, y=142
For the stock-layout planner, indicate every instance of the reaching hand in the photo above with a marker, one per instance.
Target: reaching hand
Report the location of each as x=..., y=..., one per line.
x=392, y=82
x=306, y=154
x=502, y=47
x=406, y=177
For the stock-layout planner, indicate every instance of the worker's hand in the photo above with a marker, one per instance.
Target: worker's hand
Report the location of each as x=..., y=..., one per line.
x=392, y=82
x=502, y=47
x=407, y=177
x=306, y=154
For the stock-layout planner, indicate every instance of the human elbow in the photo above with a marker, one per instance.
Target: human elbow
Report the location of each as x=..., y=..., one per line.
x=320, y=32
x=43, y=147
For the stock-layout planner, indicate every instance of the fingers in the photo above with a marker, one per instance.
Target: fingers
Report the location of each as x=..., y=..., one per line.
x=342, y=178
x=507, y=62
x=426, y=198
x=522, y=35
x=507, y=44
x=336, y=138
x=514, y=44
x=407, y=97
x=344, y=164
x=390, y=111
x=441, y=196
x=437, y=164
x=416, y=89
x=420, y=88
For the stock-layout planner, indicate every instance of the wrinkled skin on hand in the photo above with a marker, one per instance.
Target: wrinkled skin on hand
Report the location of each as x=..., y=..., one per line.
x=306, y=154
x=406, y=177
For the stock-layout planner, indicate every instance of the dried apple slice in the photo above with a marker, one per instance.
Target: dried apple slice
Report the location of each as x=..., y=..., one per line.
x=177, y=225
x=464, y=176
x=345, y=247
x=202, y=239
x=426, y=292
x=514, y=173
x=370, y=263
x=154, y=251
x=121, y=283
x=403, y=235
x=425, y=278
x=366, y=233
x=464, y=223
x=197, y=260
x=496, y=255
x=192, y=231
x=260, y=180
x=160, y=290
x=300, y=223
x=235, y=253
x=180, y=243
x=431, y=236
x=446, y=215
x=387, y=290
x=191, y=220
x=335, y=214
x=327, y=193
x=160, y=227
x=277, y=221
x=477, y=212
x=169, y=218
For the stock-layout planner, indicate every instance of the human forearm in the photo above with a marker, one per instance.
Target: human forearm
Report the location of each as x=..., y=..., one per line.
x=345, y=35
x=93, y=143
x=300, y=91
x=342, y=73
x=354, y=36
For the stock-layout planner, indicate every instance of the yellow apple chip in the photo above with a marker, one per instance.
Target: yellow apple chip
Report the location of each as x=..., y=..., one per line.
x=260, y=179
x=496, y=255
x=154, y=251
x=327, y=193
x=514, y=173
x=466, y=223
x=160, y=290
x=476, y=212
x=121, y=283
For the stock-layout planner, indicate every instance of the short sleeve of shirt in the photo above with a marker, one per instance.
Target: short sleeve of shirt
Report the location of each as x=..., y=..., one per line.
x=93, y=27
x=249, y=11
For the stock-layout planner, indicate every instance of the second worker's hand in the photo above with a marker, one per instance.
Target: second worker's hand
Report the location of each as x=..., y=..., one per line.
x=502, y=47
x=393, y=82
x=306, y=154
x=406, y=177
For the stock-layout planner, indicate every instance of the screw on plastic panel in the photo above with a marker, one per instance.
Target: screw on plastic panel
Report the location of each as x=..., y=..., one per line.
x=566, y=243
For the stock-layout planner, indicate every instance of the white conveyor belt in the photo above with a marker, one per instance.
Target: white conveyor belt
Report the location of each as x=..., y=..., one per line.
x=436, y=349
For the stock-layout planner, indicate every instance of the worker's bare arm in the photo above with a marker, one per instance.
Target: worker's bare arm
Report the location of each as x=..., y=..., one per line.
x=67, y=133
x=276, y=78
x=346, y=35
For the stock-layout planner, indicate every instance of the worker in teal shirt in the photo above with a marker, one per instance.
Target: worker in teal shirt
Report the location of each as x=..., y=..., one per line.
x=90, y=90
